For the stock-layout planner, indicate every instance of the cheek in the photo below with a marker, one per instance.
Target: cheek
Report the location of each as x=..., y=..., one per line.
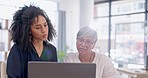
x=35, y=33
x=32, y=31
x=47, y=28
x=77, y=45
x=47, y=31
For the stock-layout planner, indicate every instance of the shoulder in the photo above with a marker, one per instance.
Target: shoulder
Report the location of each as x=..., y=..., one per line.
x=71, y=54
x=102, y=56
x=49, y=45
x=14, y=51
x=71, y=57
x=15, y=47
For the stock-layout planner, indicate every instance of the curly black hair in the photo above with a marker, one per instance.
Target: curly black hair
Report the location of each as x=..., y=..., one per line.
x=21, y=25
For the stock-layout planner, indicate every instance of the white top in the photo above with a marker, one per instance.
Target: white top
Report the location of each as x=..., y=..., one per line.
x=104, y=65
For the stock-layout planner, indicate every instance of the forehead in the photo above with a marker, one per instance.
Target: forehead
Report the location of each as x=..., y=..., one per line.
x=87, y=37
x=39, y=19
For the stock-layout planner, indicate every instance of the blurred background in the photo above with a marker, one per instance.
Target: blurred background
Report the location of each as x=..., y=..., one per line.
x=121, y=26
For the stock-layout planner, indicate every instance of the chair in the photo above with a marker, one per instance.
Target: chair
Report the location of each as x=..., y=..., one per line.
x=3, y=66
x=3, y=69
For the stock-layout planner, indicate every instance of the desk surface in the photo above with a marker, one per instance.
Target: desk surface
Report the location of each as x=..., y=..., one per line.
x=134, y=73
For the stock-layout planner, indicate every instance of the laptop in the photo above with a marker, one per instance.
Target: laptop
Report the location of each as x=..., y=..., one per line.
x=38, y=69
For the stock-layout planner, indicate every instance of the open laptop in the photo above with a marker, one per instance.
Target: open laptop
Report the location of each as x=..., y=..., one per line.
x=38, y=69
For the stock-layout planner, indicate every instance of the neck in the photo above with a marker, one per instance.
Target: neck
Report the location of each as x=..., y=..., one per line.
x=37, y=43
x=38, y=46
x=87, y=58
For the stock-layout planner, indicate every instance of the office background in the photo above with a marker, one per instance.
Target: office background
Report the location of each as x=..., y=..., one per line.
x=121, y=26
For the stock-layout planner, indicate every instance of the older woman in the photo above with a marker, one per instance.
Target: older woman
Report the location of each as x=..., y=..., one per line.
x=86, y=40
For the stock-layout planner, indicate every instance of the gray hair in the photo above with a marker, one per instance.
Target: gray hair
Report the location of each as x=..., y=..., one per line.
x=87, y=31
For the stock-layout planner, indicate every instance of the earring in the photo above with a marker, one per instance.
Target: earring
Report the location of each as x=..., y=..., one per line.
x=30, y=39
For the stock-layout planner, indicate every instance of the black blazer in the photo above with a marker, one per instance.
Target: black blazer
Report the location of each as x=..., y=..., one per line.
x=17, y=62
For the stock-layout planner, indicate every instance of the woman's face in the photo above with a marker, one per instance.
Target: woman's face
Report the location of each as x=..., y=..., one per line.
x=85, y=44
x=39, y=29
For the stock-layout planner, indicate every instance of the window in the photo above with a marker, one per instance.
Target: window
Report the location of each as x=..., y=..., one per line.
x=102, y=10
x=9, y=9
x=138, y=6
x=127, y=22
x=0, y=25
x=128, y=38
x=102, y=29
x=127, y=6
x=123, y=28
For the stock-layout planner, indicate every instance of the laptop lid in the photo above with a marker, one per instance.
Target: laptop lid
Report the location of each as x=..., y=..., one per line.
x=61, y=70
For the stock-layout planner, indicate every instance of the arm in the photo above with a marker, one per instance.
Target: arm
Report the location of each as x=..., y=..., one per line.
x=53, y=50
x=66, y=59
x=109, y=70
x=54, y=58
x=13, y=69
x=72, y=58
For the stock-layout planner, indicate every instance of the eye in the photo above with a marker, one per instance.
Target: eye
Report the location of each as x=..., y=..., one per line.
x=80, y=40
x=89, y=42
x=37, y=27
x=45, y=25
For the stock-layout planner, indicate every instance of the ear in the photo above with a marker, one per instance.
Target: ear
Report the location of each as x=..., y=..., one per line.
x=93, y=45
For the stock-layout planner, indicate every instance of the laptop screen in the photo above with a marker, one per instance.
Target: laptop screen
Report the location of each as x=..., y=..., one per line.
x=38, y=69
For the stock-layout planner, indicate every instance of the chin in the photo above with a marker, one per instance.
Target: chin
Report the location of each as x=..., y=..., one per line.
x=82, y=51
x=44, y=39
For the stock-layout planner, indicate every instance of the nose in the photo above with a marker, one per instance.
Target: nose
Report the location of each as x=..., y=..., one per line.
x=43, y=29
x=83, y=43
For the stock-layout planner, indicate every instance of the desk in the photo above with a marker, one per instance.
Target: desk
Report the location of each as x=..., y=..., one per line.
x=133, y=73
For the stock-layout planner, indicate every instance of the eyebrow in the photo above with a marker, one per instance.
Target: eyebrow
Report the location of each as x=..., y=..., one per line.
x=40, y=24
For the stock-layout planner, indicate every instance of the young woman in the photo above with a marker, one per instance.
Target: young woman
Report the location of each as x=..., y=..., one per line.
x=31, y=31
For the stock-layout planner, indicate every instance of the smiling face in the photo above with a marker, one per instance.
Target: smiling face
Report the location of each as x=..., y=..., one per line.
x=39, y=29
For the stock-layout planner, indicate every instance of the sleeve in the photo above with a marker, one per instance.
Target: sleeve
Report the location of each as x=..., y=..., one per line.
x=13, y=69
x=54, y=58
x=67, y=59
x=109, y=70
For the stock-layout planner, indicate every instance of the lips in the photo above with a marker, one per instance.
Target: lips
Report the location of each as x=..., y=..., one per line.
x=82, y=50
x=44, y=36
